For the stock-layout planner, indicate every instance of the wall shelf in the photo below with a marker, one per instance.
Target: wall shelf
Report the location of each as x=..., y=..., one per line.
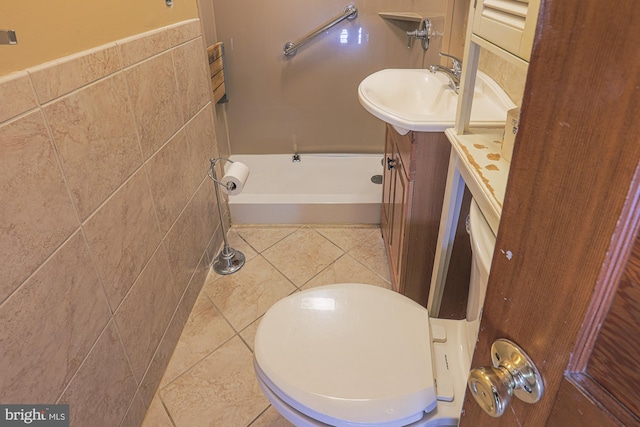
x=401, y=16
x=483, y=169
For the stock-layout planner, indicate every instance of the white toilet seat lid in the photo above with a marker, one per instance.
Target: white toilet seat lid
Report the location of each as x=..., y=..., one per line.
x=350, y=353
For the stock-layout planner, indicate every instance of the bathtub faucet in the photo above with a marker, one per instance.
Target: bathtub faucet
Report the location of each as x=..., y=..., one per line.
x=453, y=73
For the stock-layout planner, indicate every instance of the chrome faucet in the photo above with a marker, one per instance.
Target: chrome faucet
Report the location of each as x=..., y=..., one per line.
x=453, y=73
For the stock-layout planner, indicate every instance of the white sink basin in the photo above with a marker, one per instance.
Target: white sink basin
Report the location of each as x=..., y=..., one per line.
x=416, y=99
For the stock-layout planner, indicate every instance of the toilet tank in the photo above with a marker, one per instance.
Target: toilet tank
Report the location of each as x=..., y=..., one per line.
x=483, y=242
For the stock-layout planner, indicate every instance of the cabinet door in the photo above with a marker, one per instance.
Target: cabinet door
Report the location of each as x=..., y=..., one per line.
x=399, y=221
x=388, y=187
x=509, y=24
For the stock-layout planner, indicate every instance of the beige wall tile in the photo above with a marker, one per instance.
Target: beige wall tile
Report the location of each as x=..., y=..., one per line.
x=59, y=77
x=16, y=94
x=156, y=370
x=511, y=78
x=209, y=209
x=37, y=214
x=201, y=140
x=49, y=326
x=142, y=46
x=96, y=138
x=184, y=31
x=170, y=175
x=155, y=100
x=190, y=294
x=144, y=314
x=187, y=303
x=160, y=360
x=204, y=391
x=190, y=234
x=104, y=381
x=122, y=236
x=247, y=294
x=216, y=243
x=136, y=413
x=194, y=81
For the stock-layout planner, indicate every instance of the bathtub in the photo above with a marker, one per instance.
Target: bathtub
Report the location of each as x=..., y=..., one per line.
x=319, y=189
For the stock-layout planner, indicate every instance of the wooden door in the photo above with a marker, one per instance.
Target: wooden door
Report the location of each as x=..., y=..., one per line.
x=387, y=189
x=399, y=220
x=565, y=274
x=394, y=201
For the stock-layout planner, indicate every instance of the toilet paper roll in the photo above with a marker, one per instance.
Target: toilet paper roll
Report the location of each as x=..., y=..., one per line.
x=234, y=179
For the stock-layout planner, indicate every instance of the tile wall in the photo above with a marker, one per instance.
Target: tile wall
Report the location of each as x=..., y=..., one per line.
x=107, y=221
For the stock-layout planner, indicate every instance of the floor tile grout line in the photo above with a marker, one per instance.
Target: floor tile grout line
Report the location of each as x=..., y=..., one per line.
x=194, y=365
x=280, y=272
x=166, y=410
x=238, y=333
x=324, y=268
x=322, y=271
x=259, y=415
x=209, y=353
x=368, y=268
x=262, y=228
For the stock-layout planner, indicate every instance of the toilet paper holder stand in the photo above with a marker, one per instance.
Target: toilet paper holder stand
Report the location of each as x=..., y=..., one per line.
x=228, y=260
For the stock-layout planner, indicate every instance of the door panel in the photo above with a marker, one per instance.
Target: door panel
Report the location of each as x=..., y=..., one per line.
x=572, y=408
x=387, y=190
x=616, y=355
x=401, y=188
x=570, y=216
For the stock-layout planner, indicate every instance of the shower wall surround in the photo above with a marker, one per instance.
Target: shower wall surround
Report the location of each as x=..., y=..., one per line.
x=107, y=221
x=308, y=103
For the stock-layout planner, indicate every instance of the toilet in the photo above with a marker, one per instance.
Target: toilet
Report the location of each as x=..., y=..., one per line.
x=353, y=354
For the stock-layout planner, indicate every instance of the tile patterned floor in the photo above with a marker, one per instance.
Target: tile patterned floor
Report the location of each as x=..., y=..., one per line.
x=210, y=380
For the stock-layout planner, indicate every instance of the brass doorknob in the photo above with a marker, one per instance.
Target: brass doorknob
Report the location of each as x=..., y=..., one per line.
x=512, y=373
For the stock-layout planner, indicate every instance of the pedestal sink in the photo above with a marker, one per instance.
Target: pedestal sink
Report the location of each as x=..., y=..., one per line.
x=418, y=100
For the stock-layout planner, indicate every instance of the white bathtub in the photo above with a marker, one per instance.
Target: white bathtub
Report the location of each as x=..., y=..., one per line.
x=320, y=189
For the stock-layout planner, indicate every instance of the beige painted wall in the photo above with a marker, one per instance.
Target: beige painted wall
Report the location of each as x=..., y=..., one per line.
x=48, y=30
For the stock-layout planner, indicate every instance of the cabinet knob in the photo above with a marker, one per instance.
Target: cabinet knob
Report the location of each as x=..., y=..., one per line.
x=513, y=373
x=391, y=163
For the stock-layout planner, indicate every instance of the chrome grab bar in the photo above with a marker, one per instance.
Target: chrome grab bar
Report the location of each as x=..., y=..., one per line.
x=291, y=48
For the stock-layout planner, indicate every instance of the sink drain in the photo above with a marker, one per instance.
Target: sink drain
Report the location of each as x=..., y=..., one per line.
x=376, y=179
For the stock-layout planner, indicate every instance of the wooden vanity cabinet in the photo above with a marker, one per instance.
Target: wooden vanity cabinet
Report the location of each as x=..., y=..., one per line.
x=414, y=182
